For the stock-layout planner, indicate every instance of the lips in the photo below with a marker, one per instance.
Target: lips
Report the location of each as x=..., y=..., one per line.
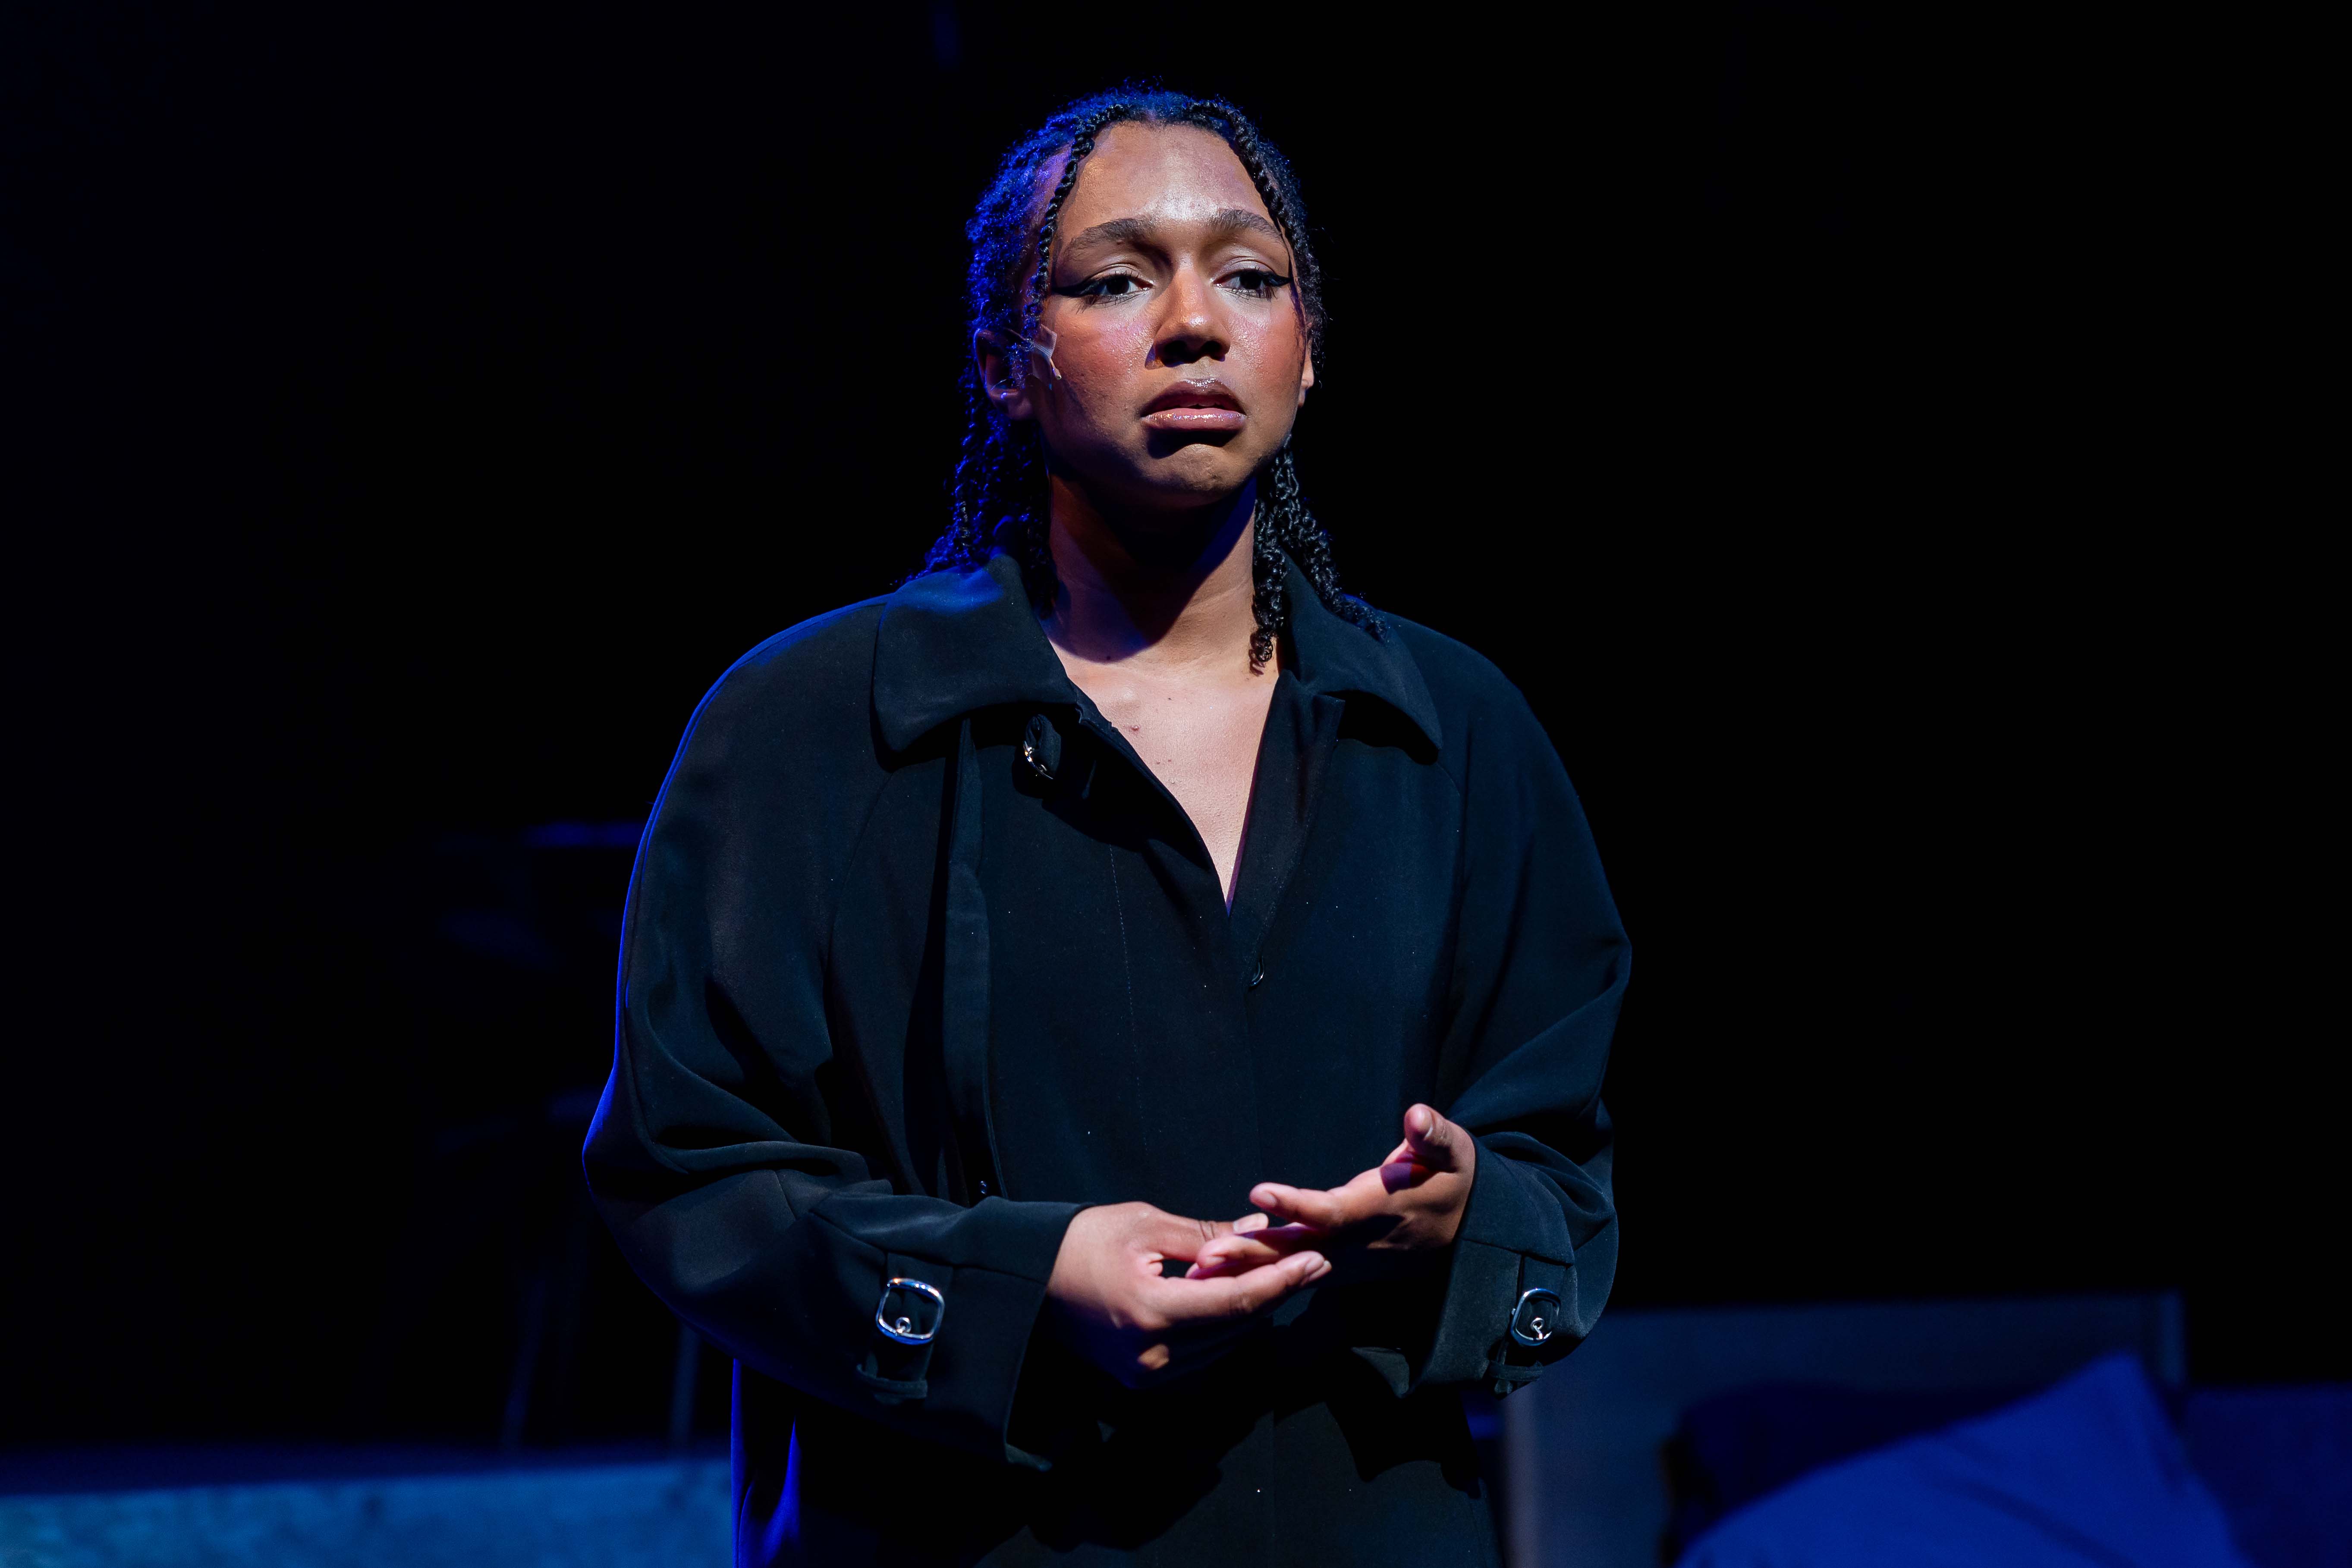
x=1195, y=406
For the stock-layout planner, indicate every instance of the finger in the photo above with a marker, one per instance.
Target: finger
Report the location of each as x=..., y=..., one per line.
x=1399, y=1174
x=1220, y=1252
x=1263, y=1244
x=1230, y=1256
x=1433, y=1141
x=1302, y=1205
x=1365, y=1197
x=1238, y=1295
x=1268, y=1244
x=1175, y=1236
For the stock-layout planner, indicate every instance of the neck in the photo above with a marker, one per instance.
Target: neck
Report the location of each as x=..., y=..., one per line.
x=1170, y=589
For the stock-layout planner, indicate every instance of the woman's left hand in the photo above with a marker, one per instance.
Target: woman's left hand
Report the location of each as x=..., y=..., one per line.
x=1410, y=1202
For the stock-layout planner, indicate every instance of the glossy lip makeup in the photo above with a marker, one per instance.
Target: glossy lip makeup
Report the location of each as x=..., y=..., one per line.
x=1196, y=408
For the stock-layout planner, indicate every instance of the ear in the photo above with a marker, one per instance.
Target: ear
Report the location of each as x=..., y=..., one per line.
x=1005, y=388
x=1306, y=377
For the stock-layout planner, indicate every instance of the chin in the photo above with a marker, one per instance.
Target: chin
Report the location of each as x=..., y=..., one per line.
x=1197, y=475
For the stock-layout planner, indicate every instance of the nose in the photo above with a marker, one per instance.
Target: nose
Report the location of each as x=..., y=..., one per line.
x=1189, y=328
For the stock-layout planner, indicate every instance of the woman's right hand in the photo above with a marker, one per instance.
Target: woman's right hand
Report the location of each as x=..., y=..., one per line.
x=1110, y=1300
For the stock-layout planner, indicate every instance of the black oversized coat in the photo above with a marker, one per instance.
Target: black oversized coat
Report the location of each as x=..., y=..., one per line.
x=919, y=959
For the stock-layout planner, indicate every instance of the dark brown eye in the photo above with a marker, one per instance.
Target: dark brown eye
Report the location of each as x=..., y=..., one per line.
x=1110, y=286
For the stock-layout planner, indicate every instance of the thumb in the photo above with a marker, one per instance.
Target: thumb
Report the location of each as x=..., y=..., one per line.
x=1433, y=1141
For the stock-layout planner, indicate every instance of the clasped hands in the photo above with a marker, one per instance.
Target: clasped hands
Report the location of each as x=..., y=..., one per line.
x=1111, y=1299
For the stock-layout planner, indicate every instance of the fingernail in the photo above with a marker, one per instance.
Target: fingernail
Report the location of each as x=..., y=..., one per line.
x=1322, y=1267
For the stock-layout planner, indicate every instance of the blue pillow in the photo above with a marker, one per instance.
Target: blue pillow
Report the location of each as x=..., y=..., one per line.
x=1736, y=1447
x=2087, y=1474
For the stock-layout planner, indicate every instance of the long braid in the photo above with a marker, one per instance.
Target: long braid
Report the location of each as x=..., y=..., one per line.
x=976, y=463
x=1027, y=531
x=1284, y=527
x=997, y=497
x=1269, y=563
x=1272, y=177
x=1081, y=142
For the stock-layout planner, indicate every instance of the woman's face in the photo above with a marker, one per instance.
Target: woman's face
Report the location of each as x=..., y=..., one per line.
x=1181, y=342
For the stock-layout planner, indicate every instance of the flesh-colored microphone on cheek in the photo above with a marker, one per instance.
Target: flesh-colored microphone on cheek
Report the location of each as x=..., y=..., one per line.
x=1042, y=347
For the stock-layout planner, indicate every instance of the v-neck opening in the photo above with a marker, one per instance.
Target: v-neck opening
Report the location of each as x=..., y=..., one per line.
x=1242, y=844
x=1299, y=728
x=1092, y=716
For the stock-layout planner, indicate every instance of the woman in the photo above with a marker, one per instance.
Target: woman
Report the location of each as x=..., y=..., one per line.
x=995, y=942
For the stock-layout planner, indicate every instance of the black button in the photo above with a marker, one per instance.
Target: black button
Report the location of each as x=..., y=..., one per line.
x=1256, y=975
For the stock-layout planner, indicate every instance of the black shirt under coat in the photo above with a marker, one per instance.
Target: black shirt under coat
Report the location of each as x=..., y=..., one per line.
x=911, y=921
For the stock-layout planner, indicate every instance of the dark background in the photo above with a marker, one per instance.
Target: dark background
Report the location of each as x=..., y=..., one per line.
x=427, y=402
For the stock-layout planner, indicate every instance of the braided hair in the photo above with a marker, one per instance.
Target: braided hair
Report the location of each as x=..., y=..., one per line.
x=997, y=497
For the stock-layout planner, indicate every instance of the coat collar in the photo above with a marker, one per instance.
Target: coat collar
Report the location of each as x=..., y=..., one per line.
x=1333, y=656
x=951, y=643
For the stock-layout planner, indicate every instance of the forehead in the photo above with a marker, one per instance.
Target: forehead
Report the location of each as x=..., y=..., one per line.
x=1176, y=172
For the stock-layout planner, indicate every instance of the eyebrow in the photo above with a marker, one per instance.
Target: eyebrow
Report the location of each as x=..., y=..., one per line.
x=1131, y=230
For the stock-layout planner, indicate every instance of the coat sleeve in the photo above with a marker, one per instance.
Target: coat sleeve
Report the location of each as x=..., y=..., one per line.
x=734, y=1156
x=1540, y=972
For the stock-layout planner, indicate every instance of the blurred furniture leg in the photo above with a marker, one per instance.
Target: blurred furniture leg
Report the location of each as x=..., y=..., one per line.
x=1523, y=1478
x=681, y=1387
x=526, y=1362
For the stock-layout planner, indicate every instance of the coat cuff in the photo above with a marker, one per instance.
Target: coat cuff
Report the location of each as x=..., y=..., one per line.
x=1508, y=1225
x=963, y=1380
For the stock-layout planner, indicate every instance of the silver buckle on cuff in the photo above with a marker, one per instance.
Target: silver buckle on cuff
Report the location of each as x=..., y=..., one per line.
x=1537, y=1317
x=900, y=1326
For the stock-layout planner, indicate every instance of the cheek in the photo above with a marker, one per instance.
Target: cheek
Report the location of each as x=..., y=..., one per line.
x=1269, y=352
x=1097, y=391
x=1101, y=358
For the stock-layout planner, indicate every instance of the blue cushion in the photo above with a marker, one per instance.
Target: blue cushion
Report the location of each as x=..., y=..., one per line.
x=2088, y=1473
